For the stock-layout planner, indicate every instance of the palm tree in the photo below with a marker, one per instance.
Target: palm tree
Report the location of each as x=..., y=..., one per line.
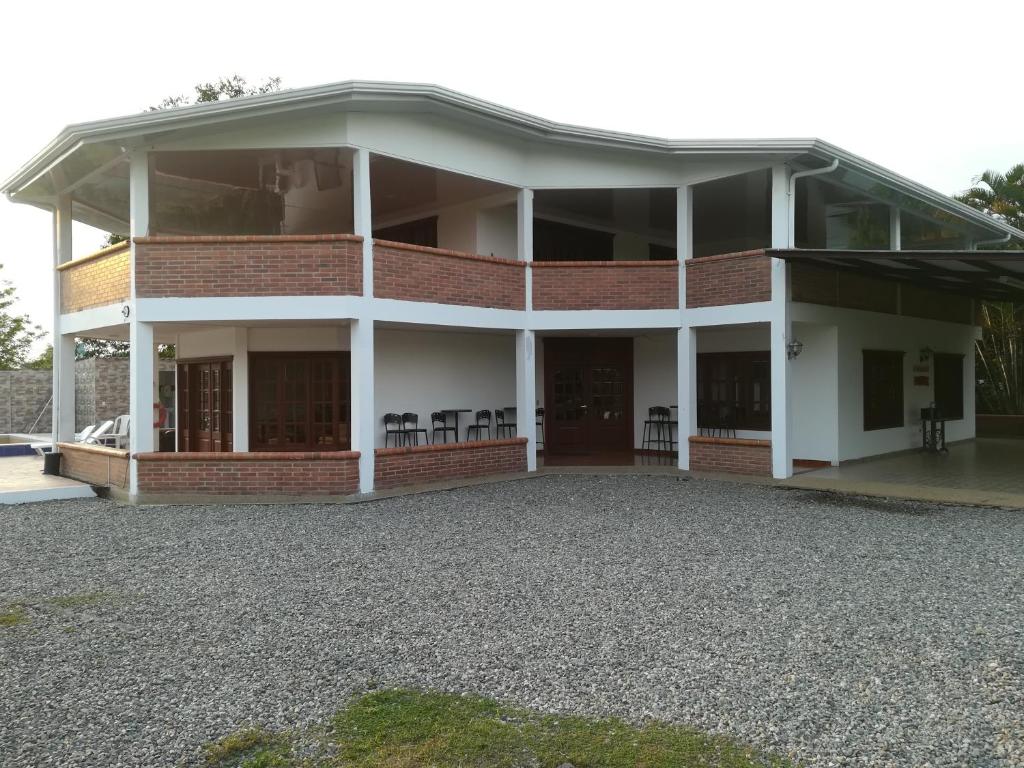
x=999, y=195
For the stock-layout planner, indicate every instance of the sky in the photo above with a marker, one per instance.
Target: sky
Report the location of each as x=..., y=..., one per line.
x=926, y=89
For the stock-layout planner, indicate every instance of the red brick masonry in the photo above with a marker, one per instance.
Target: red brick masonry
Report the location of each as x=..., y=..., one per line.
x=94, y=464
x=96, y=280
x=413, y=465
x=732, y=278
x=605, y=284
x=251, y=265
x=332, y=473
x=725, y=454
x=418, y=273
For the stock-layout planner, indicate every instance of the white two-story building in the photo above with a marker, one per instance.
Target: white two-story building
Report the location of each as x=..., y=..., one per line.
x=322, y=257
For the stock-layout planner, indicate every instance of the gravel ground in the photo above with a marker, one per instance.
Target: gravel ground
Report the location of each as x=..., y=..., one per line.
x=842, y=631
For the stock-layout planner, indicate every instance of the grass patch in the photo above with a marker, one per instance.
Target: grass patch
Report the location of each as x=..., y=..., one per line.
x=412, y=729
x=11, y=617
x=83, y=600
x=250, y=748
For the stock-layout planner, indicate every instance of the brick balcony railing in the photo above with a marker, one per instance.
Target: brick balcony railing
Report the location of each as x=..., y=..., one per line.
x=248, y=265
x=416, y=465
x=732, y=278
x=418, y=273
x=605, y=284
x=96, y=280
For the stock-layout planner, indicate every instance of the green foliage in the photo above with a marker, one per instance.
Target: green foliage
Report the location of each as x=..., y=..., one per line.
x=412, y=729
x=999, y=195
x=17, y=332
x=44, y=362
x=225, y=88
x=999, y=354
x=86, y=348
x=12, y=617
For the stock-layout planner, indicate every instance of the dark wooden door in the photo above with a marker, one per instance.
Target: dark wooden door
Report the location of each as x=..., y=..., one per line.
x=205, y=405
x=588, y=395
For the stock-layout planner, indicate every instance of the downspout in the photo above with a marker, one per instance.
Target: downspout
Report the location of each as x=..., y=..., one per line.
x=792, y=195
x=996, y=241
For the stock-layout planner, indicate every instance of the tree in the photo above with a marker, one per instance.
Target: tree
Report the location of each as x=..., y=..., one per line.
x=999, y=353
x=17, y=332
x=44, y=362
x=225, y=88
x=999, y=195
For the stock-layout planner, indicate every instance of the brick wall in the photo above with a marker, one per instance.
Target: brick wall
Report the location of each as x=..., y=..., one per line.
x=414, y=465
x=732, y=278
x=605, y=284
x=250, y=474
x=723, y=454
x=24, y=395
x=253, y=265
x=836, y=288
x=418, y=273
x=94, y=464
x=97, y=280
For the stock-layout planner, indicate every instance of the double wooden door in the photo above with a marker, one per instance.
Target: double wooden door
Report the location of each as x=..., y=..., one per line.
x=588, y=395
x=205, y=420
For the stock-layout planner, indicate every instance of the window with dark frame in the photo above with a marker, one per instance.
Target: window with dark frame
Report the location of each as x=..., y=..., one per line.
x=734, y=390
x=299, y=401
x=949, y=385
x=883, y=389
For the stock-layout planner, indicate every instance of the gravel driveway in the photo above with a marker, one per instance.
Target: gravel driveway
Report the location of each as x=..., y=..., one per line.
x=843, y=631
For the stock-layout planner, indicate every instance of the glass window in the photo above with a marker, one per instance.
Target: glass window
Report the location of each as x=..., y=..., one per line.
x=883, y=389
x=734, y=390
x=949, y=385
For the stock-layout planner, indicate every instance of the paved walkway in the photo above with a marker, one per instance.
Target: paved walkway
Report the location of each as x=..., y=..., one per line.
x=22, y=480
x=986, y=471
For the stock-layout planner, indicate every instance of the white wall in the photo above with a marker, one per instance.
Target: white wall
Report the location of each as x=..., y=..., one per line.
x=220, y=342
x=654, y=378
x=814, y=380
x=496, y=231
x=425, y=371
x=456, y=229
x=866, y=330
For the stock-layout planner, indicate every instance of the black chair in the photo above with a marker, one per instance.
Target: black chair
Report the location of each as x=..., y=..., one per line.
x=726, y=420
x=393, y=427
x=439, y=422
x=411, y=428
x=540, y=427
x=483, y=421
x=658, y=429
x=509, y=428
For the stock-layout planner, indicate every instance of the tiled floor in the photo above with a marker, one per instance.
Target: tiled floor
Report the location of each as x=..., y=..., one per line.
x=983, y=471
x=22, y=480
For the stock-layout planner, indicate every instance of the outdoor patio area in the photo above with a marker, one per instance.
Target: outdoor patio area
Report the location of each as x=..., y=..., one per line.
x=22, y=480
x=984, y=471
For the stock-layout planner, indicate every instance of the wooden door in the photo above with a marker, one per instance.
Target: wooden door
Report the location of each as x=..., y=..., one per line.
x=205, y=406
x=589, y=395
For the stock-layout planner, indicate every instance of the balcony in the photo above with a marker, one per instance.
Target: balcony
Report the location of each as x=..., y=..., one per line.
x=419, y=273
x=96, y=280
x=582, y=285
x=249, y=265
x=732, y=278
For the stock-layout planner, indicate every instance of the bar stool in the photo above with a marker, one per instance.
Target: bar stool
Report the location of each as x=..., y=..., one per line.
x=412, y=433
x=483, y=421
x=658, y=429
x=393, y=427
x=439, y=422
x=540, y=427
x=502, y=426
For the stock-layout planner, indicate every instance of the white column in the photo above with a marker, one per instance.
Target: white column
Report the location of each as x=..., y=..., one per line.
x=141, y=363
x=240, y=391
x=63, y=404
x=524, y=238
x=686, y=390
x=362, y=216
x=364, y=421
x=781, y=327
x=526, y=395
x=686, y=337
x=894, y=228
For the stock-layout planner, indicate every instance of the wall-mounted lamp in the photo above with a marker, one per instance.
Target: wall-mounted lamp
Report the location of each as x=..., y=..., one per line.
x=925, y=354
x=794, y=348
x=125, y=311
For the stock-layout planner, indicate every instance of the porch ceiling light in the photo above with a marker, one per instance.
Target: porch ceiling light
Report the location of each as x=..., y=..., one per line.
x=794, y=348
x=926, y=354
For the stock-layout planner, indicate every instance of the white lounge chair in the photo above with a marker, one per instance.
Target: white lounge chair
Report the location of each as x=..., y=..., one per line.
x=118, y=436
x=85, y=434
x=101, y=430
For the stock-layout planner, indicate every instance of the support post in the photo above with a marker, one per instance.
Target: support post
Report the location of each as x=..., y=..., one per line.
x=362, y=216
x=240, y=391
x=526, y=395
x=364, y=419
x=895, y=237
x=142, y=362
x=686, y=336
x=524, y=238
x=63, y=402
x=781, y=326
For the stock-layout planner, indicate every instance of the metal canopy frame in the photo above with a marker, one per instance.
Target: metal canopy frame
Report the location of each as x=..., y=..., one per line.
x=994, y=275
